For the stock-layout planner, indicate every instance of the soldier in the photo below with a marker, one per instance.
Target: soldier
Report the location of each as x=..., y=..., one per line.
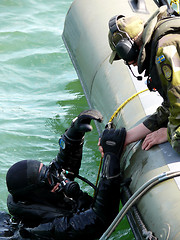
x=155, y=48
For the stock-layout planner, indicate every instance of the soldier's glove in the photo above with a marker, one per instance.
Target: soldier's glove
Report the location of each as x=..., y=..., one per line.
x=112, y=142
x=71, y=142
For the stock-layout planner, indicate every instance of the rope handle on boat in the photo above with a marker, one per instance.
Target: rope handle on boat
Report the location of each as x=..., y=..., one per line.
x=109, y=125
x=136, y=196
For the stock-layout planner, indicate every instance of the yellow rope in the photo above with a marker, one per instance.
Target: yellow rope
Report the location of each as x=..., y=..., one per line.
x=111, y=119
x=175, y=2
x=124, y=103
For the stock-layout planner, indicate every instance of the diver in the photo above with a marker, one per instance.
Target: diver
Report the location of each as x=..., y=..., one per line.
x=154, y=47
x=47, y=203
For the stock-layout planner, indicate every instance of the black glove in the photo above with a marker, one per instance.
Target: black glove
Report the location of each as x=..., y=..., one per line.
x=42, y=231
x=84, y=202
x=112, y=142
x=81, y=124
x=71, y=142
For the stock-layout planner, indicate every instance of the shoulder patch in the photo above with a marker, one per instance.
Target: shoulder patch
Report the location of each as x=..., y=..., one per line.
x=167, y=71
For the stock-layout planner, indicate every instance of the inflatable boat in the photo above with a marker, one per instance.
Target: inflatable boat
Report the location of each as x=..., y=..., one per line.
x=151, y=197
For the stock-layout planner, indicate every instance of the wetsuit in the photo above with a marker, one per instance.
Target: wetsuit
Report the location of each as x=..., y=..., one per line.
x=86, y=218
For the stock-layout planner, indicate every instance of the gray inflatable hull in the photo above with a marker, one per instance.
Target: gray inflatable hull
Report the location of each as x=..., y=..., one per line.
x=106, y=87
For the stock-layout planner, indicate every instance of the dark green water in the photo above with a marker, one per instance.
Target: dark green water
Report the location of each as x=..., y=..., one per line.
x=40, y=92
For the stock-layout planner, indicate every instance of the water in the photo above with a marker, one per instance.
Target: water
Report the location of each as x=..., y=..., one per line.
x=40, y=92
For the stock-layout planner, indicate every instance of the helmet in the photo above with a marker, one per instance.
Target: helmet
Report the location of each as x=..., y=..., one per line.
x=122, y=31
x=25, y=176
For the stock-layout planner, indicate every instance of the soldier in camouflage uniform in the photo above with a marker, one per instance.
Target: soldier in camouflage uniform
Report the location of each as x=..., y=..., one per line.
x=155, y=48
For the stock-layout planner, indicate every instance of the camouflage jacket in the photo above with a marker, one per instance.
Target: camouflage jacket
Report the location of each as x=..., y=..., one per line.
x=160, y=57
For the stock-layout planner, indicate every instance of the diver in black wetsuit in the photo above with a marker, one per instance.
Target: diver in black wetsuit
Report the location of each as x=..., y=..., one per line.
x=47, y=203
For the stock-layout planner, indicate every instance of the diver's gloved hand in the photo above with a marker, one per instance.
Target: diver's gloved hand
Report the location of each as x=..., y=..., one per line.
x=81, y=124
x=112, y=142
x=71, y=142
x=84, y=202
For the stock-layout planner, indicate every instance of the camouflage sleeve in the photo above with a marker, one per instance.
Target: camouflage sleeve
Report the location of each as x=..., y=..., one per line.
x=168, y=66
x=159, y=119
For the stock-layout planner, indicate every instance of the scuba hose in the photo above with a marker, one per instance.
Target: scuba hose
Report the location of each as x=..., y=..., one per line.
x=135, y=197
x=87, y=181
x=83, y=179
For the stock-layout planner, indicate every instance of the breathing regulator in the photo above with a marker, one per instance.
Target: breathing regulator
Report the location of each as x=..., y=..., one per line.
x=57, y=177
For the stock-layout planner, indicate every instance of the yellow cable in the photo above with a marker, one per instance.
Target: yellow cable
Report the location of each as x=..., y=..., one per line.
x=175, y=2
x=111, y=119
x=124, y=103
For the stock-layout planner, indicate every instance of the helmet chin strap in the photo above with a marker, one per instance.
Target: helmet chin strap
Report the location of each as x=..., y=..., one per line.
x=139, y=78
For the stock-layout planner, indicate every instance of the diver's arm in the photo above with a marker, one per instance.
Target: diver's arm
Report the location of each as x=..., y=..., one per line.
x=71, y=142
x=90, y=224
